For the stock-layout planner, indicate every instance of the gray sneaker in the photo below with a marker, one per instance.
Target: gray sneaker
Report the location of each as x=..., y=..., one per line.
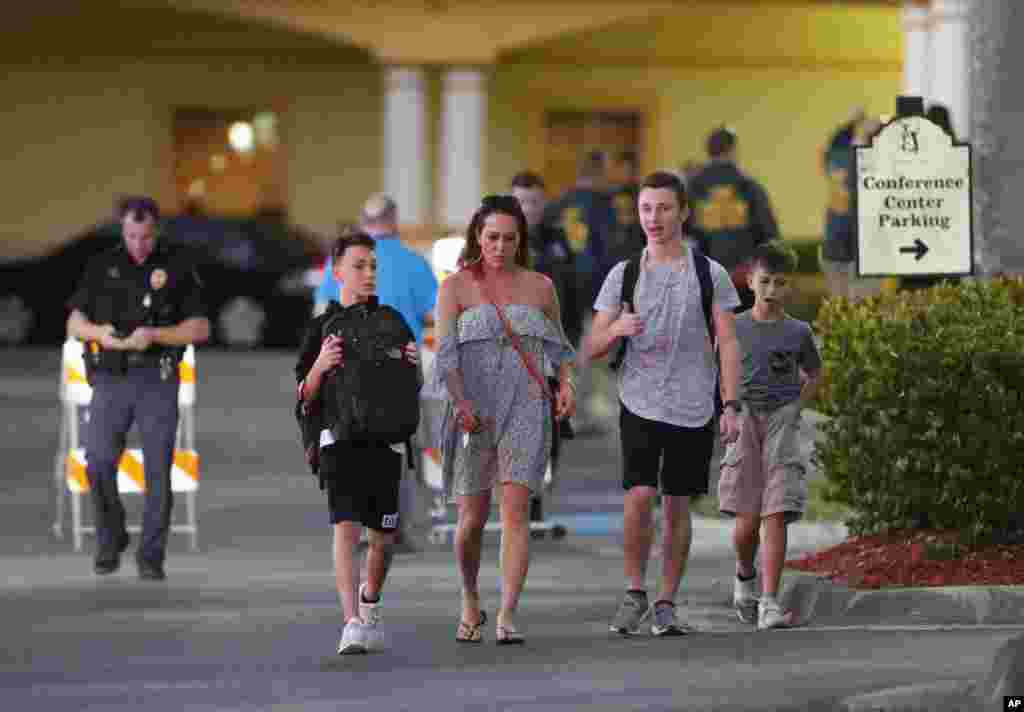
x=665, y=623
x=632, y=612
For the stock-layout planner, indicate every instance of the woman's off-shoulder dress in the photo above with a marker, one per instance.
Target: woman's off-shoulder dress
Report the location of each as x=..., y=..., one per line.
x=515, y=441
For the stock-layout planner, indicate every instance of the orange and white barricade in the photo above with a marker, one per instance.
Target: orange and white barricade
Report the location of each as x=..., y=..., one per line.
x=69, y=470
x=444, y=259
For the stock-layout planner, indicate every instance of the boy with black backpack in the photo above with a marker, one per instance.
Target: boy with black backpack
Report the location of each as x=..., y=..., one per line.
x=358, y=406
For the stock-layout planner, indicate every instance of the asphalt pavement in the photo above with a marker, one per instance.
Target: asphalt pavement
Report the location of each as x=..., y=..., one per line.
x=251, y=619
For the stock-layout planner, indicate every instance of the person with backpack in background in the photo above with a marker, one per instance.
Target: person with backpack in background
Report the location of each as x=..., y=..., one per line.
x=731, y=212
x=499, y=329
x=677, y=311
x=358, y=402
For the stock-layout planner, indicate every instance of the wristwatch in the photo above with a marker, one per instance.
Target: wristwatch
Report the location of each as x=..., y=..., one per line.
x=734, y=404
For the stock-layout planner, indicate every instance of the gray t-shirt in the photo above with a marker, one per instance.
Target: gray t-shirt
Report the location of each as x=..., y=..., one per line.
x=773, y=352
x=668, y=374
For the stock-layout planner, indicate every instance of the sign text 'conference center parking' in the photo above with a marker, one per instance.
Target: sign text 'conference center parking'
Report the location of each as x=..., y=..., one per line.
x=914, y=202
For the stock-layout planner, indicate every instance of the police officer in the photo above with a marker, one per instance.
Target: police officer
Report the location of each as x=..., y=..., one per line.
x=137, y=308
x=732, y=214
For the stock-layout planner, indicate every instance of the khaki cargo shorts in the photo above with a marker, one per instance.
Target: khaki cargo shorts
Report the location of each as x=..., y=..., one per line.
x=763, y=471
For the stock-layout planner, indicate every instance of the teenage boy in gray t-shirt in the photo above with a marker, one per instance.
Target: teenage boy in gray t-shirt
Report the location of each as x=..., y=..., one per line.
x=667, y=388
x=763, y=474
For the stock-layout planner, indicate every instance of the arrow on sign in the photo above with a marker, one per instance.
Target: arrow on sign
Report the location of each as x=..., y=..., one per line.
x=919, y=249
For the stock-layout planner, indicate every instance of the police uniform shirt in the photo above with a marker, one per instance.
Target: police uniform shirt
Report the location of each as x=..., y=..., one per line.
x=588, y=218
x=731, y=214
x=162, y=291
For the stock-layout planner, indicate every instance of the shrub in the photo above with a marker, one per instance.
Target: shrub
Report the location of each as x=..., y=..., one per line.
x=925, y=393
x=807, y=255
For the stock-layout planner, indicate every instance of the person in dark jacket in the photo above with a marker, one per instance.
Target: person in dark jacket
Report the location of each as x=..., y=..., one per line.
x=732, y=214
x=586, y=214
x=839, y=249
x=550, y=253
x=627, y=239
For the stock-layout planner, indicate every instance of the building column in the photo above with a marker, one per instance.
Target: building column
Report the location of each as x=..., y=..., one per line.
x=950, y=84
x=463, y=123
x=917, y=51
x=406, y=166
x=997, y=70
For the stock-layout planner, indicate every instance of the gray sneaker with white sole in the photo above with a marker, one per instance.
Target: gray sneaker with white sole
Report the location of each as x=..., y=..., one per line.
x=633, y=611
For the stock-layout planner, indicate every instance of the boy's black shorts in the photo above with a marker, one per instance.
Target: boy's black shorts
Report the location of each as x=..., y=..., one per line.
x=652, y=450
x=362, y=484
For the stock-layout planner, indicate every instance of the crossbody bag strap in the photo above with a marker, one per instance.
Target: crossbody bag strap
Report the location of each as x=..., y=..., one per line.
x=514, y=338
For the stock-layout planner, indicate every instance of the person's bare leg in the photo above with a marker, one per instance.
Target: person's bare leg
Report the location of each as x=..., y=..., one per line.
x=639, y=534
x=677, y=526
x=515, y=547
x=378, y=561
x=346, y=566
x=774, y=553
x=745, y=539
x=469, y=535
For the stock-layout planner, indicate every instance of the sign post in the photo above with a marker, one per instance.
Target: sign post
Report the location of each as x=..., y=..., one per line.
x=913, y=193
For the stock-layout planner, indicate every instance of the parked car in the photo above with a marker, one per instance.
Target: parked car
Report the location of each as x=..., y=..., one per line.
x=258, y=277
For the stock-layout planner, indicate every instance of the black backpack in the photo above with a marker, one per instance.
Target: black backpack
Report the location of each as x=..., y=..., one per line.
x=702, y=266
x=373, y=397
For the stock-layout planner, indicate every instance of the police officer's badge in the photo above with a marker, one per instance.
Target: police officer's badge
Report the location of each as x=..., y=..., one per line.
x=158, y=278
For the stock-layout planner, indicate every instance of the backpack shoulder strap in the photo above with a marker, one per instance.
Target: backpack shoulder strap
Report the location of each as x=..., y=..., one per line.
x=630, y=275
x=702, y=265
x=629, y=279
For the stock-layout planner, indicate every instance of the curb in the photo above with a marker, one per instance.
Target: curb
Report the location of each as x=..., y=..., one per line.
x=822, y=600
x=949, y=696
x=816, y=600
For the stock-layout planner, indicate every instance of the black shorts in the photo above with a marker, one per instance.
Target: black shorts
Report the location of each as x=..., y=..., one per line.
x=652, y=450
x=362, y=484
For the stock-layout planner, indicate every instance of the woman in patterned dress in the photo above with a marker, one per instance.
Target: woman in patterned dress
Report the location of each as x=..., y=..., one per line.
x=499, y=427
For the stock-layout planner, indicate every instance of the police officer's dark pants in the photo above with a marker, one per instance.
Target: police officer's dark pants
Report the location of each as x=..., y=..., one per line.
x=138, y=395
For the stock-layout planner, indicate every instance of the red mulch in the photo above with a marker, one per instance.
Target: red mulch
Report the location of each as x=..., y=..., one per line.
x=913, y=558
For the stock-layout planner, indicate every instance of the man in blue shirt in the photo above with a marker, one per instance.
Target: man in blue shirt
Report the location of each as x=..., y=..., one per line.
x=406, y=282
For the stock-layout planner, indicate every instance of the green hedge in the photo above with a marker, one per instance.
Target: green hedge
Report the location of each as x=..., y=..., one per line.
x=807, y=255
x=925, y=390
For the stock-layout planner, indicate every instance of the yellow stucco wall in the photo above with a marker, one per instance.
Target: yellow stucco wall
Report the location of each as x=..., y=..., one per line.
x=783, y=118
x=84, y=133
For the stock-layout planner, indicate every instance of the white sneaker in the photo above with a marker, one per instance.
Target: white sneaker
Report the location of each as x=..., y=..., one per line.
x=370, y=614
x=354, y=639
x=771, y=615
x=745, y=600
